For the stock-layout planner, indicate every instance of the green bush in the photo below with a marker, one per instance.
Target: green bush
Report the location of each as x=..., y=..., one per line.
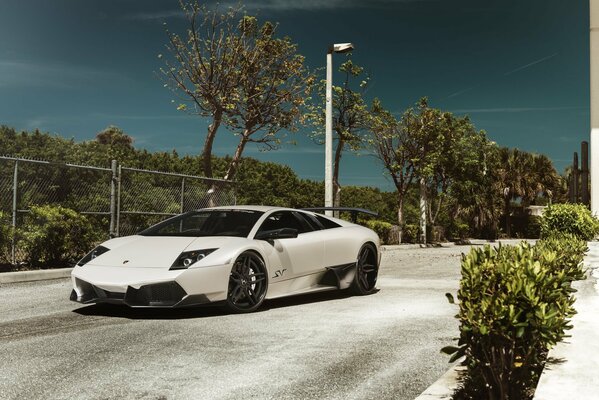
x=533, y=227
x=5, y=238
x=54, y=236
x=410, y=233
x=458, y=230
x=515, y=302
x=569, y=251
x=382, y=228
x=569, y=218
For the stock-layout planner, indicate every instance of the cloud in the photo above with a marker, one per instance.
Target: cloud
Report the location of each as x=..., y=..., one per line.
x=460, y=92
x=255, y=149
x=27, y=74
x=158, y=15
x=531, y=64
x=511, y=110
x=281, y=6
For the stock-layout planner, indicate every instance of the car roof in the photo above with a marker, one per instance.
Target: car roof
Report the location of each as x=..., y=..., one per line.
x=249, y=207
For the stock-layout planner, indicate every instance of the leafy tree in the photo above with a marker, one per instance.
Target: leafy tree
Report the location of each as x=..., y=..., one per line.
x=394, y=146
x=522, y=177
x=240, y=74
x=474, y=198
x=114, y=136
x=203, y=68
x=273, y=85
x=351, y=118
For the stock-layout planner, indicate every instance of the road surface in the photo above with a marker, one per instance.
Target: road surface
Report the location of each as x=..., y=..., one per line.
x=325, y=346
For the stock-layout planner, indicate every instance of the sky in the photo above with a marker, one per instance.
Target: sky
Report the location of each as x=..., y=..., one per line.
x=518, y=68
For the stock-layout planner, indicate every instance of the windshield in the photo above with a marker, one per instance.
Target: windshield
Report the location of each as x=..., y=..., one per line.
x=207, y=223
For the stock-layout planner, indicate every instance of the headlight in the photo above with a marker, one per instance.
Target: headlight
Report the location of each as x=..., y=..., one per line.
x=188, y=258
x=92, y=254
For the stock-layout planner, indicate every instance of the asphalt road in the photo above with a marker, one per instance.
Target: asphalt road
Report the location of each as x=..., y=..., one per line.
x=325, y=346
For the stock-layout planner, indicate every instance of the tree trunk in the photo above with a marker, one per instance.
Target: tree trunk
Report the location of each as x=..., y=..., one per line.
x=237, y=156
x=400, y=218
x=508, y=228
x=207, y=151
x=336, y=186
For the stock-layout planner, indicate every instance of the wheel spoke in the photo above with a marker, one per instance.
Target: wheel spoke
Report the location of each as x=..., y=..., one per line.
x=235, y=294
x=363, y=256
x=250, y=295
x=364, y=281
x=368, y=268
x=247, y=282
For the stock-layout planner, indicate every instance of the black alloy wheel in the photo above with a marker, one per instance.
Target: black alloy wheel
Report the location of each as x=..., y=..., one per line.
x=366, y=271
x=247, y=283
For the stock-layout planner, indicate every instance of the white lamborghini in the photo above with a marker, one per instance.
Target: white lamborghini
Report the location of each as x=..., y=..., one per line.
x=239, y=255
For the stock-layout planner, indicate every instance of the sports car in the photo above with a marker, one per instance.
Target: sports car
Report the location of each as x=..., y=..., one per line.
x=236, y=255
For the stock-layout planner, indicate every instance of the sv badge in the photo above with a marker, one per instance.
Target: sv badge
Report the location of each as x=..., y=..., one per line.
x=279, y=273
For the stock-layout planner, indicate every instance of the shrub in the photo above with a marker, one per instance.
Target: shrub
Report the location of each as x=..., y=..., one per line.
x=533, y=227
x=569, y=218
x=410, y=233
x=382, y=228
x=569, y=251
x=5, y=238
x=54, y=236
x=458, y=230
x=515, y=302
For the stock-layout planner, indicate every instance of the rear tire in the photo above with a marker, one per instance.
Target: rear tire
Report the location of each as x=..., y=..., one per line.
x=366, y=271
x=247, y=283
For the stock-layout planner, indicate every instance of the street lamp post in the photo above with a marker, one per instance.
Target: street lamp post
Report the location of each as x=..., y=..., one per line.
x=328, y=148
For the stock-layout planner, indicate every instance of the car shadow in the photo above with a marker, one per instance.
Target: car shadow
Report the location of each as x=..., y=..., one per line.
x=207, y=311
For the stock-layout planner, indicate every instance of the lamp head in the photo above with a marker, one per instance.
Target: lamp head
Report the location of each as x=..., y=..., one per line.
x=341, y=48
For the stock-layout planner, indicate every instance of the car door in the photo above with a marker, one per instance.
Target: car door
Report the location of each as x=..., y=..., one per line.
x=294, y=257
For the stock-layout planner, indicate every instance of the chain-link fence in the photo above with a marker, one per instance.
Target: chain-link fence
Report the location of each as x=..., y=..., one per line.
x=118, y=200
x=146, y=197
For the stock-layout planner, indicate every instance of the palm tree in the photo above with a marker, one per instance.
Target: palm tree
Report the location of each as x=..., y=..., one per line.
x=524, y=176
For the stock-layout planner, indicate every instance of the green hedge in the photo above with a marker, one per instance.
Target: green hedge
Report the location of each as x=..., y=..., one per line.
x=515, y=303
x=410, y=233
x=569, y=218
x=5, y=238
x=382, y=228
x=54, y=236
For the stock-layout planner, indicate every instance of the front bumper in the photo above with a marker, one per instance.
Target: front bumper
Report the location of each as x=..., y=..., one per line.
x=166, y=294
x=149, y=287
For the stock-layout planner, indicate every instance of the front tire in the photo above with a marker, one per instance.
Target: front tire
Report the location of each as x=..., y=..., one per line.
x=247, y=283
x=366, y=271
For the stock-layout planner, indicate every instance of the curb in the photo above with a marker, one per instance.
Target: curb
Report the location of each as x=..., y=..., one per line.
x=30, y=276
x=444, y=387
x=471, y=242
x=574, y=376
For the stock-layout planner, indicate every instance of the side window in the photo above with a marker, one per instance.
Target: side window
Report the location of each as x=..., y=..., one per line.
x=310, y=221
x=282, y=219
x=327, y=223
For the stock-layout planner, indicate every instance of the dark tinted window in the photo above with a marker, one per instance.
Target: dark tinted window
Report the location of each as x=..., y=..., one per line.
x=310, y=220
x=207, y=223
x=327, y=223
x=282, y=219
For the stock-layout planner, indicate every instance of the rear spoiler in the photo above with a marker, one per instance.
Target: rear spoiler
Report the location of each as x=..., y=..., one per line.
x=353, y=211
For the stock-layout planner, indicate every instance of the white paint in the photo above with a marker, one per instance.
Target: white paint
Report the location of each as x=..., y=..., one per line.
x=594, y=143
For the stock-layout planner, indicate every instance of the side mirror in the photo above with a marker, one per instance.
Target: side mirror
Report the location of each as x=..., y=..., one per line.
x=283, y=233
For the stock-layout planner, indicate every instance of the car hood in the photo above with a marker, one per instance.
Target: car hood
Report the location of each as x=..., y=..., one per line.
x=154, y=251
